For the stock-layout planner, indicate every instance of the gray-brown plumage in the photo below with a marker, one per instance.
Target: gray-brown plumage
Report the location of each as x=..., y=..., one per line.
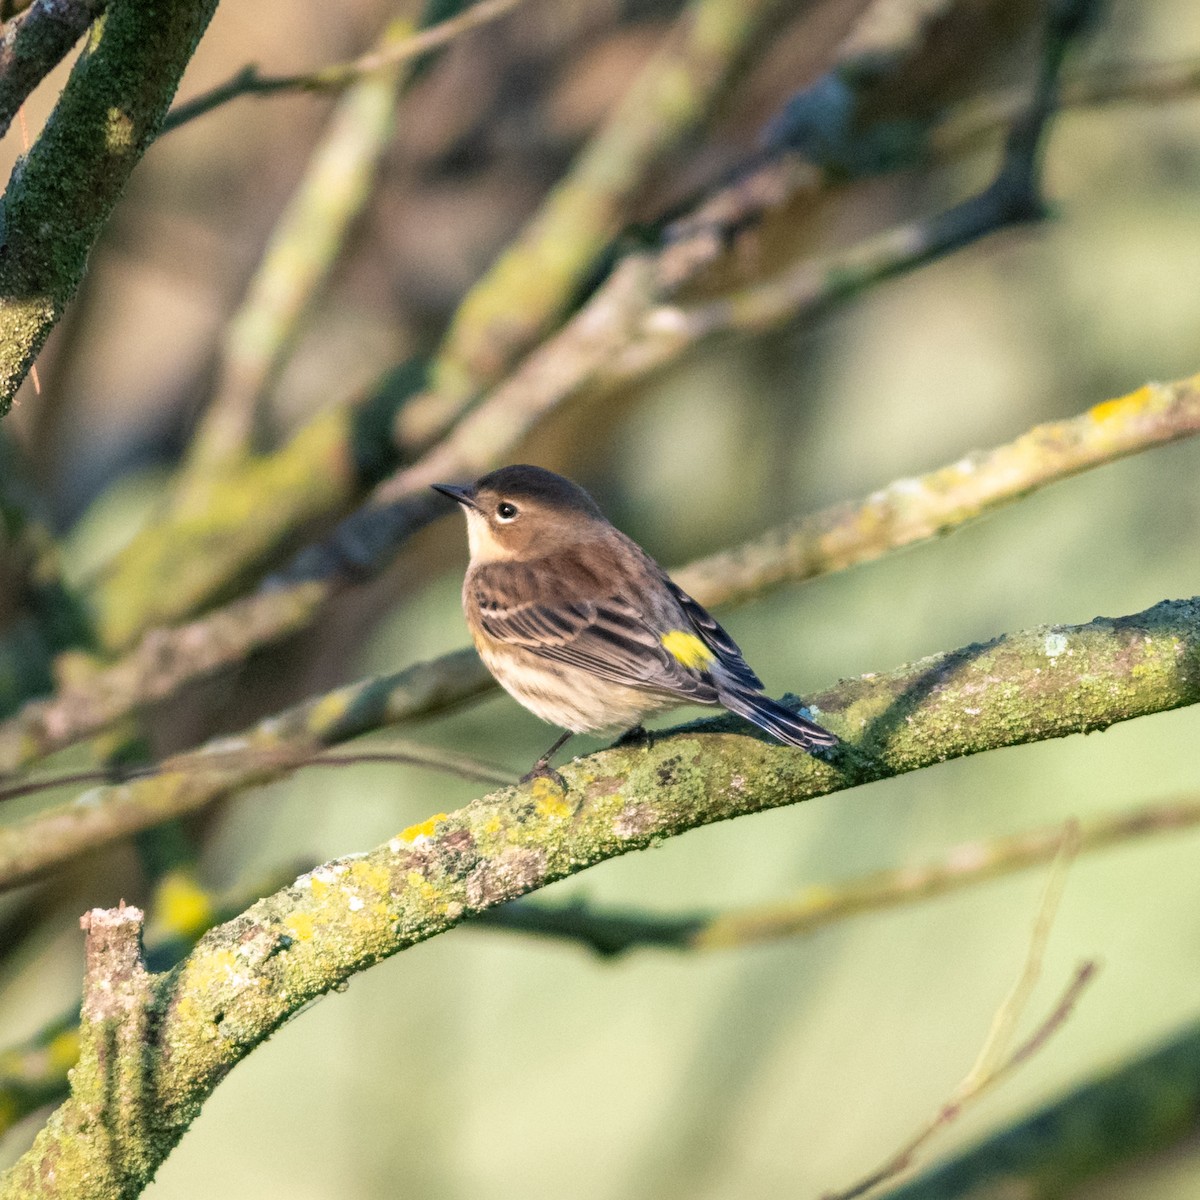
x=583, y=627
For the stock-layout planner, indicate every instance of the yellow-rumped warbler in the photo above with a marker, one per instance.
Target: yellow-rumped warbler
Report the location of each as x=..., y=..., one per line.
x=578, y=623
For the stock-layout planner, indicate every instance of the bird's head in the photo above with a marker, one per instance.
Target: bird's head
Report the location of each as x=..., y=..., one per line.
x=524, y=512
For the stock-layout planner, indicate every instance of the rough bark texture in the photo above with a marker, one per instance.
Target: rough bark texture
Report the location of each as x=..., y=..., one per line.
x=246, y=977
x=61, y=194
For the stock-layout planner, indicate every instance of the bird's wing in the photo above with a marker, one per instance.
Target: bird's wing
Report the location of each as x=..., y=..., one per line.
x=611, y=637
x=717, y=640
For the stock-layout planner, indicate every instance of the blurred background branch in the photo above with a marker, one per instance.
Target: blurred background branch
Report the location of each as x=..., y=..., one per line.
x=307, y=240
x=644, y=243
x=1145, y=1105
x=395, y=52
x=611, y=933
x=906, y=512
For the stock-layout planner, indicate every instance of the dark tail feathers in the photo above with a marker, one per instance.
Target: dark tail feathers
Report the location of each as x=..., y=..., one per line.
x=779, y=722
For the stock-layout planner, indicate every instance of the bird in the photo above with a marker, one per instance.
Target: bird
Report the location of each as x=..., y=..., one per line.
x=582, y=627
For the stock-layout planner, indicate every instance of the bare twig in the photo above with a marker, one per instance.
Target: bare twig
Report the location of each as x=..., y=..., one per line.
x=1113, y=1120
x=963, y=1096
x=998, y=1056
x=394, y=751
x=248, y=82
x=998, y=1044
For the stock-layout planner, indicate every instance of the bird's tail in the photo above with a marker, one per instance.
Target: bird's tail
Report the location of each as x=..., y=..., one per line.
x=779, y=722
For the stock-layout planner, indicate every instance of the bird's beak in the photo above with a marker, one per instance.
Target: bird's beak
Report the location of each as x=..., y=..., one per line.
x=463, y=495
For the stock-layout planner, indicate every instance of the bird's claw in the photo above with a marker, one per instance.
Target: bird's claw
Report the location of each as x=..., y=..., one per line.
x=543, y=770
x=638, y=735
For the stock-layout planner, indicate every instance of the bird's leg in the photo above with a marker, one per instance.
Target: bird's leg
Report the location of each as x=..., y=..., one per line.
x=543, y=769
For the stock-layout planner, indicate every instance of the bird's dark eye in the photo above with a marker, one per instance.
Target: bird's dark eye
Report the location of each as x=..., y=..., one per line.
x=506, y=511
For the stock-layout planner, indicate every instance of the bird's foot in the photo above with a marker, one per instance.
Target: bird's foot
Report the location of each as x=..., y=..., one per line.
x=543, y=770
x=639, y=735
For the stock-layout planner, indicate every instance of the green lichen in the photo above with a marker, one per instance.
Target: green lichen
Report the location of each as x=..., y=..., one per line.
x=245, y=978
x=60, y=196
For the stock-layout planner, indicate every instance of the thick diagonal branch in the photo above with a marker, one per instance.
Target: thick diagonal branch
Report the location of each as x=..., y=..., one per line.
x=1045, y=682
x=246, y=977
x=34, y=42
x=61, y=194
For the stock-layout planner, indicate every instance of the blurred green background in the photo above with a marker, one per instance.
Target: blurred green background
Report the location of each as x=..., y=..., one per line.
x=493, y=1066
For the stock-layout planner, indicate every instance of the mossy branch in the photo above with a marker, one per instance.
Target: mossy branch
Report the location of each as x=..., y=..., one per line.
x=905, y=512
x=978, y=698
x=61, y=194
x=614, y=931
x=34, y=1073
x=262, y=504
x=245, y=978
x=34, y=42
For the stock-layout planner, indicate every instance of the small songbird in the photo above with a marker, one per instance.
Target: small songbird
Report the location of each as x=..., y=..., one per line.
x=581, y=626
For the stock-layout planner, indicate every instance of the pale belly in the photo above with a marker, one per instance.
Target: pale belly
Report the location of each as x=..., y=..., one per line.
x=573, y=699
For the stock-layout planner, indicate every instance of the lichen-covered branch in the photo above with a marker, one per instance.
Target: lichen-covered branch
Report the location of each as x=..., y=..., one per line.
x=912, y=510
x=61, y=194
x=246, y=977
x=978, y=698
x=610, y=932
x=36, y=1072
x=1141, y=1107
x=34, y=42
x=112, y=1096
x=907, y=511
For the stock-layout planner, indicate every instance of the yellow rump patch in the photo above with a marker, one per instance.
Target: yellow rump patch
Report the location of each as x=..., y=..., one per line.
x=687, y=648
